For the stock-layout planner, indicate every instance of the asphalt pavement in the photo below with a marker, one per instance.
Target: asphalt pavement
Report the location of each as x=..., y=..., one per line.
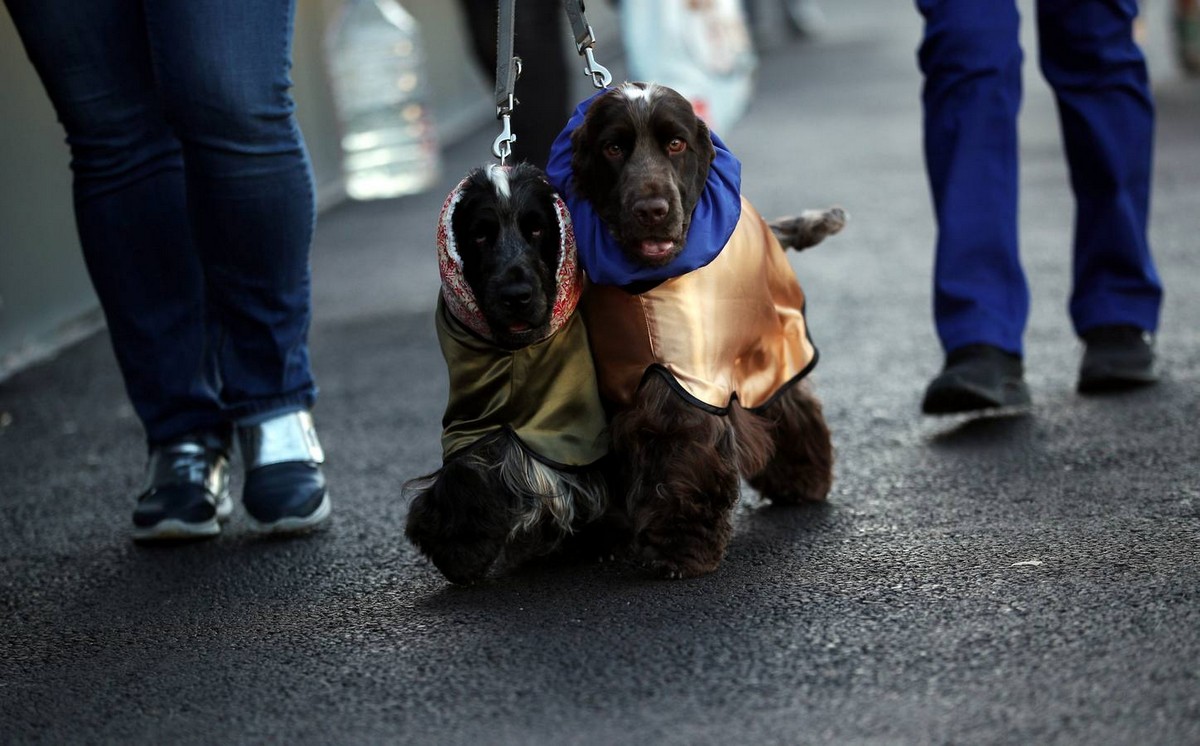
x=1021, y=579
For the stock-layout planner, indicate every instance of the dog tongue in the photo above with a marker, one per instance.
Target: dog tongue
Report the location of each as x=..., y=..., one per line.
x=519, y=326
x=656, y=248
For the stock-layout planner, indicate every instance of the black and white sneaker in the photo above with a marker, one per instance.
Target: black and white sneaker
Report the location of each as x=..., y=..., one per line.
x=187, y=490
x=285, y=489
x=1117, y=358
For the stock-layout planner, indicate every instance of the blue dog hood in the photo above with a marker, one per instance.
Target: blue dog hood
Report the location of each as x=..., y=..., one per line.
x=713, y=221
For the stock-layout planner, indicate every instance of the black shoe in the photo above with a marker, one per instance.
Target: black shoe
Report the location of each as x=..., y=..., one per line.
x=285, y=488
x=187, y=490
x=977, y=377
x=1117, y=358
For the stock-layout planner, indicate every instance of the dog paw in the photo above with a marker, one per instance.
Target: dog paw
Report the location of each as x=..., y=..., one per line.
x=464, y=567
x=676, y=568
x=672, y=571
x=461, y=561
x=810, y=228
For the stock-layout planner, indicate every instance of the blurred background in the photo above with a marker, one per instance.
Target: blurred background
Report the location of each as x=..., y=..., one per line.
x=46, y=300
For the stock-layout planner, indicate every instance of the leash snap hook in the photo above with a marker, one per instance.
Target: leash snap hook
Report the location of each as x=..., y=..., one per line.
x=601, y=77
x=502, y=145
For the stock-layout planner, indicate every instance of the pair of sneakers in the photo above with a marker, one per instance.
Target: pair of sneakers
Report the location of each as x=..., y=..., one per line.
x=976, y=377
x=187, y=483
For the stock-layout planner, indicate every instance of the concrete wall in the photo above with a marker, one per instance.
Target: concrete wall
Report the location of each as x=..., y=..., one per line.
x=45, y=295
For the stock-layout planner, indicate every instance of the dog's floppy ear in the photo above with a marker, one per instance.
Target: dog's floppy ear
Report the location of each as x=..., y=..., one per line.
x=704, y=144
x=582, y=159
x=695, y=173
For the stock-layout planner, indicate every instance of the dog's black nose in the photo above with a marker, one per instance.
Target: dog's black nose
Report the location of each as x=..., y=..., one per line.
x=517, y=295
x=650, y=211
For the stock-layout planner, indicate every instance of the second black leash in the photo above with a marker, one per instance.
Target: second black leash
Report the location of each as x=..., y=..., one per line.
x=508, y=66
x=508, y=69
x=585, y=39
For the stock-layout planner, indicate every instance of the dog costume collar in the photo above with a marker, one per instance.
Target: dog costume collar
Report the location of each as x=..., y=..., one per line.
x=713, y=221
x=457, y=293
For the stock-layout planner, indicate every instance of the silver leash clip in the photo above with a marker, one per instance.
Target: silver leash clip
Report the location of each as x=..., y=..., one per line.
x=601, y=77
x=502, y=145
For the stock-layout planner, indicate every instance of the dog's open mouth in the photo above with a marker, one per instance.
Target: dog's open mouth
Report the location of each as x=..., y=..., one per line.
x=516, y=333
x=656, y=250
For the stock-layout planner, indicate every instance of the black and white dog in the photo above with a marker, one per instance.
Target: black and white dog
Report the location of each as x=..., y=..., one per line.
x=523, y=432
x=696, y=322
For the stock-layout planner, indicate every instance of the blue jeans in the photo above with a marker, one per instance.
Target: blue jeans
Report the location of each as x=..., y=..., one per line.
x=193, y=197
x=971, y=59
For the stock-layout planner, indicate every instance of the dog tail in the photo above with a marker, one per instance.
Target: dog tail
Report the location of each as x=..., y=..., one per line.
x=810, y=228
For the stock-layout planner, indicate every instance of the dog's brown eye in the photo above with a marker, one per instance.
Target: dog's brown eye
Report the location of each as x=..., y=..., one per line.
x=535, y=233
x=676, y=146
x=612, y=150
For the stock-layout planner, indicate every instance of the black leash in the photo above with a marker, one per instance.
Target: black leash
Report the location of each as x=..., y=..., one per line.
x=585, y=39
x=508, y=67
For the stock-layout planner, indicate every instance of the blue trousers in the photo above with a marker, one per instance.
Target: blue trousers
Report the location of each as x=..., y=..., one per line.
x=971, y=59
x=193, y=197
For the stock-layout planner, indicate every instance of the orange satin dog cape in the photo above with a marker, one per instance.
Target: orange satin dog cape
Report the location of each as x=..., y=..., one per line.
x=734, y=327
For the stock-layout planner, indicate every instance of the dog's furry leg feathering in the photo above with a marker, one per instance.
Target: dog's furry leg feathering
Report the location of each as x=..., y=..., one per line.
x=459, y=517
x=801, y=467
x=498, y=499
x=681, y=480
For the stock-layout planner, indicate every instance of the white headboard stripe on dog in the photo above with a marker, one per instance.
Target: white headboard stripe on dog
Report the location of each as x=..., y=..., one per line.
x=498, y=175
x=639, y=91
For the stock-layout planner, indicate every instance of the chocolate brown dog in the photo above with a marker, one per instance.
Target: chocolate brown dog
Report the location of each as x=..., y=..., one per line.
x=696, y=321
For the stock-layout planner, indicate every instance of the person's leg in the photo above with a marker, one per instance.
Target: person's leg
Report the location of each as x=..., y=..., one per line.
x=543, y=90
x=130, y=205
x=131, y=214
x=1100, y=82
x=1099, y=77
x=480, y=17
x=544, y=85
x=971, y=59
x=223, y=69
